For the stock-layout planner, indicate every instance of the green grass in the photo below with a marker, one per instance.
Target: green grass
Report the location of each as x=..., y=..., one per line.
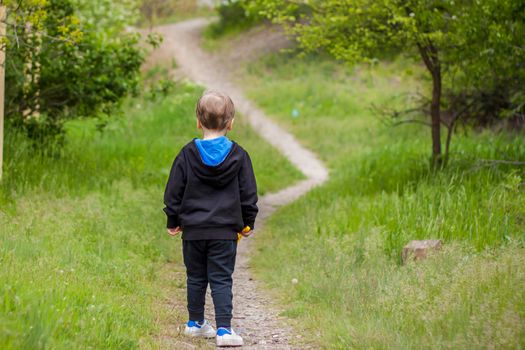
x=177, y=11
x=183, y=16
x=217, y=37
x=342, y=241
x=221, y=32
x=83, y=247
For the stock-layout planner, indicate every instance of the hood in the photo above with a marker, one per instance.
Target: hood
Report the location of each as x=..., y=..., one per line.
x=213, y=151
x=218, y=175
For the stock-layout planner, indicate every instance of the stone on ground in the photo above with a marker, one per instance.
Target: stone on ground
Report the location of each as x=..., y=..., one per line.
x=417, y=250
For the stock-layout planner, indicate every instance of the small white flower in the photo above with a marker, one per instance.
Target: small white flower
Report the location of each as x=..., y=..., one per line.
x=412, y=14
x=295, y=281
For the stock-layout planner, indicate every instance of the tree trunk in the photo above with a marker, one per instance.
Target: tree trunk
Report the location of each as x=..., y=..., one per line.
x=430, y=57
x=450, y=130
x=3, y=50
x=435, y=115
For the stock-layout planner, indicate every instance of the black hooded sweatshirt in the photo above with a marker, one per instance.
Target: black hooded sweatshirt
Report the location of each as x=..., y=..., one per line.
x=211, y=202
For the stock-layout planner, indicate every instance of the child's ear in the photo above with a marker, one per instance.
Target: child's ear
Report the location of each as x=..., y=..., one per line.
x=199, y=125
x=230, y=124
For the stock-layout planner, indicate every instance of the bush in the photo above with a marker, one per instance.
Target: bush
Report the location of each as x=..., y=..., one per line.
x=232, y=17
x=66, y=64
x=502, y=102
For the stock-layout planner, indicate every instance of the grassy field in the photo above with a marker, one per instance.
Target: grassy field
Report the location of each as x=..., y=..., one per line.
x=342, y=241
x=82, y=238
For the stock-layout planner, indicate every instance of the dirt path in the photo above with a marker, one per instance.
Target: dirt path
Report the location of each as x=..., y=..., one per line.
x=255, y=316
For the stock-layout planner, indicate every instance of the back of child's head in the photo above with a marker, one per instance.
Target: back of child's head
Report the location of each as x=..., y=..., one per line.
x=215, y=110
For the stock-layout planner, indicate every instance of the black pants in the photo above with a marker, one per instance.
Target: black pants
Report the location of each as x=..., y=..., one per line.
x=210, y=261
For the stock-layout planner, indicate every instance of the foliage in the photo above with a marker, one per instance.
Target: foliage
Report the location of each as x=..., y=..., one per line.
x=475, y=45
x=95, y=15
x=233, y=17
x=486, y=67
x=66, y=59
x=155, y=12
x=341, y=242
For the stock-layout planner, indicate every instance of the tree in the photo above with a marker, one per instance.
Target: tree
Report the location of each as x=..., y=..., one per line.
x=67, y=59
x=458, y=41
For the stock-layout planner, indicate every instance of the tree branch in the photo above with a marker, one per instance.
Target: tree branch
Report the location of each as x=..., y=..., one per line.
x=411, y=121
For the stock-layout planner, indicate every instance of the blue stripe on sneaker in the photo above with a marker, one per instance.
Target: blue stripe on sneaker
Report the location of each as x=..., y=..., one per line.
x=223, y=331
x=195, y=324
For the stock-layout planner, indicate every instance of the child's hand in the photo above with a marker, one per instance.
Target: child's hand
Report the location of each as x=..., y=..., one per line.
x=247, y=231
x=174, y=231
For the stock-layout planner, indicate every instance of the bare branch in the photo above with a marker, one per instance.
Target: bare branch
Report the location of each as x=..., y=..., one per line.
x=411, y=121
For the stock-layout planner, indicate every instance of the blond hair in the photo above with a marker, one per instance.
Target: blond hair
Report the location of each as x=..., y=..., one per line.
x=215, y=110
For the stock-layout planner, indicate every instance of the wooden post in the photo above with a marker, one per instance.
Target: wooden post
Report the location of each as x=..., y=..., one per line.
x=2, y=82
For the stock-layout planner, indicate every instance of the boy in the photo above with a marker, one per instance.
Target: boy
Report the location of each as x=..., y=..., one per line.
x=211, y=195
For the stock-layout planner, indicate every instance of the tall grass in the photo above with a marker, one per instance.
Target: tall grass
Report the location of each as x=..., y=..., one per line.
x=342, y=241
x=82, y=239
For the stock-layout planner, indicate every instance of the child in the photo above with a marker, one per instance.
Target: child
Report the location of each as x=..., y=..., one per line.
x=211, y=195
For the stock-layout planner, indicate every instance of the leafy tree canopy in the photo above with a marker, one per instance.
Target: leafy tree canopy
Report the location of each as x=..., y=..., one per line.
x=473, y=45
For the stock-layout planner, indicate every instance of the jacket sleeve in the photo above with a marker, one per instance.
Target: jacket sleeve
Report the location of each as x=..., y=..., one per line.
x=248, y=192
x=175, y=191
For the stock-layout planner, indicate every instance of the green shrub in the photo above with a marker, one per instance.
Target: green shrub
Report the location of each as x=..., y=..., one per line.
x=69, y=62
x=233, y=17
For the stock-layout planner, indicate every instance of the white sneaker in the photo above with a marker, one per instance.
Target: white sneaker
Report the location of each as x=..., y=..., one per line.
x=228, y=337
x=194, y=329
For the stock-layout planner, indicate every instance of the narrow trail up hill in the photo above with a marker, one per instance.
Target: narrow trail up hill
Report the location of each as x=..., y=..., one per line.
x=254, y=314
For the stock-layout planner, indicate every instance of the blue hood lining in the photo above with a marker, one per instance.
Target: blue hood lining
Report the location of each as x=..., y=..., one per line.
x=214, y=151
